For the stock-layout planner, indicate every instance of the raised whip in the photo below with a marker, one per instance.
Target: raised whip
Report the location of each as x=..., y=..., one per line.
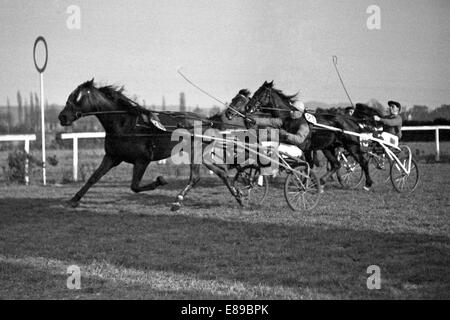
x=340, y=78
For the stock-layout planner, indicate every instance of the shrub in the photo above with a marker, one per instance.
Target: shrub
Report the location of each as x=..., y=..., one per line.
x=15, y=171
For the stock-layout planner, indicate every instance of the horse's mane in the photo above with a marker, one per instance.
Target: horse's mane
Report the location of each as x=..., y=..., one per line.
x=290, y=99
x=116, y=95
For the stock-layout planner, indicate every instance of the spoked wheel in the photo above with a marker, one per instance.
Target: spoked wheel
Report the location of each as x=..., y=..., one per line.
x=252, y=185
x=350, y=175
x=379, y=168
x=402, y=181
x=302, y=192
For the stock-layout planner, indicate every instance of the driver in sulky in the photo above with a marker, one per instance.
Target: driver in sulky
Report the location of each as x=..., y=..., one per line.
x=293, y=130
x=392, y=123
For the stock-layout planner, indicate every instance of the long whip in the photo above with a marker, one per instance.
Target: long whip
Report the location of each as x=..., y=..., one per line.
x=340, y=78
x=208, y=94
x=196, y=86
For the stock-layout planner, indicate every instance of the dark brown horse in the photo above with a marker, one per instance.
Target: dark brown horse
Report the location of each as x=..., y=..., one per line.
x=134, y=134
x=270, y=100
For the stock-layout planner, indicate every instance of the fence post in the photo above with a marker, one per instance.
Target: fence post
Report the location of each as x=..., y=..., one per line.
x=75, y=159
x=437, y=144
x=27, y=151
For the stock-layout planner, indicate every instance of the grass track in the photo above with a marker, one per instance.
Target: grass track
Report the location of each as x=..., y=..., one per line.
x=131, y=246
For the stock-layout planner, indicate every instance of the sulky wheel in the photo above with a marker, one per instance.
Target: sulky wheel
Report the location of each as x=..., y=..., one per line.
x=302, y=191
x=252, y=185
x=350, y=174
x=402, y=181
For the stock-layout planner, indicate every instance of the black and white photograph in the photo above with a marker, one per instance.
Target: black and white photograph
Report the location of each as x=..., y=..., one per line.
x=224, y=154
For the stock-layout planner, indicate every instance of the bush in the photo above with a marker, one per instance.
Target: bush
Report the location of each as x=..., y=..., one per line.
x=15, y=172
x=16, y=166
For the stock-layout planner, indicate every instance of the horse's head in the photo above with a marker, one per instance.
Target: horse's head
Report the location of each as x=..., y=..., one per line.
x=84, y=99
x=364, y=115
x=238, y=103
x=268, y=99
x=261, y=98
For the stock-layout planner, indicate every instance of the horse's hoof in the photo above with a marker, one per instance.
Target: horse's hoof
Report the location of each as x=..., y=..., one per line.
x=161, y=181
x=175, y=206
x=72, y=204
x=366, y=188
x=321, y=189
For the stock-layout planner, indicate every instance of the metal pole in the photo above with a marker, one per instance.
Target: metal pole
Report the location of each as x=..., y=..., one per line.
x=44, y=179
x=41, y=70
x=75, y=159
x=27, y=151
x=437, y=144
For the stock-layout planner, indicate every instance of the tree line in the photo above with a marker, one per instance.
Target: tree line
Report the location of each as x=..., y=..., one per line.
x=25, y=117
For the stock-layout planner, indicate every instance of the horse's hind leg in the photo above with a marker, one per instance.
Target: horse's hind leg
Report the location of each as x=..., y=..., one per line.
x=194, y=178
x=138, y=173
x=356, y=153
x=335, y=165
x=222, y=174
x=309, y=157
x=108, y=162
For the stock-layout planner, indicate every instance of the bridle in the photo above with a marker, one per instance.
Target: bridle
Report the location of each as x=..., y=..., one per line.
x=258, y=104
x=235, y=111
x=80, y=114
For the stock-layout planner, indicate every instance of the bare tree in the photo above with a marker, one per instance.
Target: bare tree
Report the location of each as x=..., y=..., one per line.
x=20, y=108
x=8, y=115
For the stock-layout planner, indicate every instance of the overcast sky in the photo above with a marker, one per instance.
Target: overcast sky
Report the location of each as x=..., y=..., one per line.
x=224, y=46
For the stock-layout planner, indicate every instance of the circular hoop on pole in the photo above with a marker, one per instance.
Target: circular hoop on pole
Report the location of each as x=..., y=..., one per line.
x=41, y=76
x=39, y=39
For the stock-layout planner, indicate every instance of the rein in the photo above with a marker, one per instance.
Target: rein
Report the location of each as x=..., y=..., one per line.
x=80, y=114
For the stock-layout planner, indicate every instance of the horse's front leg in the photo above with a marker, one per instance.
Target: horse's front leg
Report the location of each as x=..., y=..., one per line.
x=107, y=164
x=138, y=173
x=194, y=178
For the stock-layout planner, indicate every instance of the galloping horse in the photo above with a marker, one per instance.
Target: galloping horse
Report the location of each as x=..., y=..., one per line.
x=221, y=121
x=133, y=134
x=268, y=99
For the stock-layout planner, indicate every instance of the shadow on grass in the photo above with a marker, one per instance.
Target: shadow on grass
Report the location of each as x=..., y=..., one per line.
x=159, y=196
x=26, y=282
x=327, y=259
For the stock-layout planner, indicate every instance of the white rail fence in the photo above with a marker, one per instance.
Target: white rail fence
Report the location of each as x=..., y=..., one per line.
x=85, y=135
x=21, y=137
x=75, y=136
x=436, y=134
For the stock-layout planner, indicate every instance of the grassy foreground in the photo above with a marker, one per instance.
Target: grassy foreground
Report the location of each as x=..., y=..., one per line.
x=131, y=246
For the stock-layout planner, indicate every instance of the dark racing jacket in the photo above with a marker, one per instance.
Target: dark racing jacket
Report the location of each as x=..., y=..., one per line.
x=393, y=124
x=292, y=131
